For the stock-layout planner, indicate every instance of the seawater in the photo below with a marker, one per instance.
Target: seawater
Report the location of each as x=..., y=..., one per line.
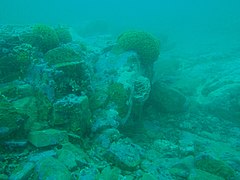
x=79, y=103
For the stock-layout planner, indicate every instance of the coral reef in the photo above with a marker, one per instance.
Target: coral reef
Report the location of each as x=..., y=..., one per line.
x=143, y=43
x=77, y=110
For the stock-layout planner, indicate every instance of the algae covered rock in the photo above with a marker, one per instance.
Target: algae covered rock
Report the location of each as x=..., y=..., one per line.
x=44, y=37
x=63, y=34
x=10, y=119
x=124, y=154
x=51, y=168
x=47, y=137
x=64, y=53
x=68, y=158
x=105, y=119
x=73, y=73
x=214, y=166
x=36, y=106
x=14, y=65
x=98, y=99
x=224, y=102
x=198, y=174
x=148, y=176
x=73, y=78
x=143, y=43
x=110, y=173
x=73, y=112
x=9, y=69
x=24, y=171
x=119, y=96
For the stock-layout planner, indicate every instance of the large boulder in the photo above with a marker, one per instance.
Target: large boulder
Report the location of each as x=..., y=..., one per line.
x=51, y=168
x=10, y=119
x=73, y=113
x=124, y=154
x=224, y=102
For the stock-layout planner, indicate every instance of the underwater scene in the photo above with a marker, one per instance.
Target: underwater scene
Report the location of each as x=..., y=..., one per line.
x=119, y=90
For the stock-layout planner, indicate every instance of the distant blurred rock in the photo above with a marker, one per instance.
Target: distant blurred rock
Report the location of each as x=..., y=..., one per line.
x=167, y=99
x=224, y=102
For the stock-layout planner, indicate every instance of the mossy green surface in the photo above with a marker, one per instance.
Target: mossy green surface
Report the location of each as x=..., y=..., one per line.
x=62, y=54
x=203, y=175
x=10, y=119
x=143, y=43
x=15, y=64
x=98, y=99
x=119, y=95
x=216, y=167
x=64, y=35
x=74, y=78
x=9, y=69
x=44, y=37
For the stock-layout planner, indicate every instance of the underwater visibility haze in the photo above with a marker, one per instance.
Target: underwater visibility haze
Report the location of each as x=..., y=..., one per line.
x=120, y=90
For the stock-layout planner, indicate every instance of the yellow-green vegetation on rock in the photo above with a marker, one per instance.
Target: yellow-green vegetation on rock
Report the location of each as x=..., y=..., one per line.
x=10, y=119
x=24, y=54
x=72, y=112
x=143, y=43
x=25, y=99
x=98, y=99
x=51, y=168
x=215, y=166
x=9, y=69
x=63, y=54
x=203, y=175
x=148, y=176
x=110, y=173
x=63, y=33
x=44, y=37
x=14, y=90
x=14, y=65
x=36, y=106
x=119, y=96
x=74, y=78
x=69, y=60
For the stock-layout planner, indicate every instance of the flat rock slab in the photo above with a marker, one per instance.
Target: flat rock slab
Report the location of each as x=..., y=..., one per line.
x=47, y=137
x=125, y=155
